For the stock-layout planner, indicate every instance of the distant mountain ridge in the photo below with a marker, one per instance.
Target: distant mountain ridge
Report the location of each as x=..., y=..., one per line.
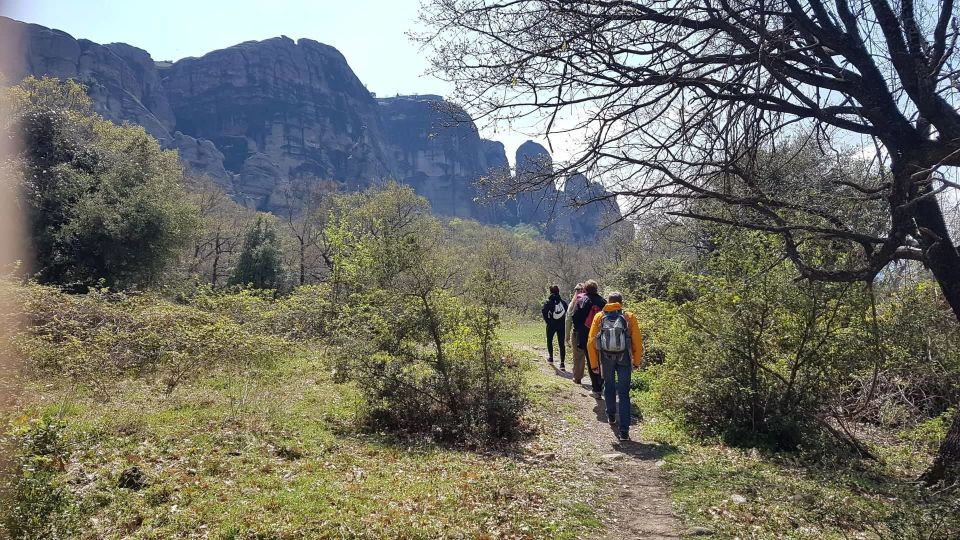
x=257, y=114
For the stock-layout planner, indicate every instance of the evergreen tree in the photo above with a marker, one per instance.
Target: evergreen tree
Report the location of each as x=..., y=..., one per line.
x=260, y=263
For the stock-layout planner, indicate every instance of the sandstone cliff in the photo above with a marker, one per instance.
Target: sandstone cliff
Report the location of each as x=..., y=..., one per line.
x=436, y=148
x=296, y=104
x=258, y=114
x=120, y=79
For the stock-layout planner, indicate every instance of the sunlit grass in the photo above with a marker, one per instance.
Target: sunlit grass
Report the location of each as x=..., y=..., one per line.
x=279, y=454
x=819, y=492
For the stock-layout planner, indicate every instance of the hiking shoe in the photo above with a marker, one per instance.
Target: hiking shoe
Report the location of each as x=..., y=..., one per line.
x=611, y=419
x=549, y=360
x=623, y=436
x=576, y=381
x=562, y=367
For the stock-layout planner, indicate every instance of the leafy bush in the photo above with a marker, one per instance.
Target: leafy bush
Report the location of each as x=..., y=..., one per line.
x=106, y=205
x=460, y=388
x=41, y=505
x=757, y=356
x=307, y=312
x=427, y=359
x=99, y=337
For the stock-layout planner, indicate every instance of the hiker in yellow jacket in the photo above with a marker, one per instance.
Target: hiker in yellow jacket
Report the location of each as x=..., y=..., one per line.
x=615, y=347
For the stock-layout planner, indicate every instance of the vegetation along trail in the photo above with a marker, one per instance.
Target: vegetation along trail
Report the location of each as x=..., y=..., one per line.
x=638, y=493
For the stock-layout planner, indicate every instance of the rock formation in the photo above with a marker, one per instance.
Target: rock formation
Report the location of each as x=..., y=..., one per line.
x=120, y=79
x=297, y=103
x=437, y=149
x=201, y=157
x=256, y=115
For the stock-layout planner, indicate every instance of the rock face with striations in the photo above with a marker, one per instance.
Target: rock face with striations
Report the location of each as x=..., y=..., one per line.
x=255, y=115
x=201, y=157
x=120, y=79
x=589, y=207
x=437, y=149
x=297, y=103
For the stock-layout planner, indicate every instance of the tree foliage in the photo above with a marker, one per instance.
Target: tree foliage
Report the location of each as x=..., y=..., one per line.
x=105, y=204
x=260, y=263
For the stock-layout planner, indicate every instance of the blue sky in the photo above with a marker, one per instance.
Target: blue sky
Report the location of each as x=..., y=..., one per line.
x=369, y=33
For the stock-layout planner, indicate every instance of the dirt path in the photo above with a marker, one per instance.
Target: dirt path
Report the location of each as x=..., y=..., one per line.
x=640, y=506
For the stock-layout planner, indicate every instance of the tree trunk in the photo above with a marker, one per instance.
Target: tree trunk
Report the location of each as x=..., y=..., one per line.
x=303, y=263
x=942, y=256
x=944, y=466
x=944, y=263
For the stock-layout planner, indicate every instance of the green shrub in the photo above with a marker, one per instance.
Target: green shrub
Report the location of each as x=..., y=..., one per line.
x=926, y=436
x=426, y=359
x=40, y=504
x=305, y=313
x=463, y=390
x=757, y=357
x=98, y=338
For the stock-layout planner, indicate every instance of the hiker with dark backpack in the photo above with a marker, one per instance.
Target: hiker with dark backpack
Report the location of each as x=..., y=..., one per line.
x=615, y=347
x=587, y=308
x=554, y=313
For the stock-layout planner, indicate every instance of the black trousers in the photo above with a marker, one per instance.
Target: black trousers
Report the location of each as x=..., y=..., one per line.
x=554, y=328
x=596, y=380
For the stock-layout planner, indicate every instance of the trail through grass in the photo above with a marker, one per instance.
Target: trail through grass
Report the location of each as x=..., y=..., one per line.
x=278, y=453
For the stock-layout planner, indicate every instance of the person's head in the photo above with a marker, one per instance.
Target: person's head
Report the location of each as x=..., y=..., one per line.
x=578, y=289
x=590, y=286
x=554, y=289
x=615, y=298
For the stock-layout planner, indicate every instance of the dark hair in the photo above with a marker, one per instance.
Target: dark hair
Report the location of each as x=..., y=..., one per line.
x=615, y=297
x=591, y=286
x=554, y=289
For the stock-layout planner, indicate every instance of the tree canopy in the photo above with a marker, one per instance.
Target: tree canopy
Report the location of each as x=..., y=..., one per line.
x=105, y=203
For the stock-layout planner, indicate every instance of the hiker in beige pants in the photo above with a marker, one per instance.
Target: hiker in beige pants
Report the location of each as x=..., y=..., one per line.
x=579, y=355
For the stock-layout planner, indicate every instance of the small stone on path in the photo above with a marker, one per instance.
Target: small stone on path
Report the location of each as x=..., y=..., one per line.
x=613, y=456
x=738, y=499
x=133, y=478
x=699, y=531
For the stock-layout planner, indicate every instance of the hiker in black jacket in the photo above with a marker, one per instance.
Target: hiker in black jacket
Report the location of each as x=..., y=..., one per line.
x=589, y=305
x=554, y=312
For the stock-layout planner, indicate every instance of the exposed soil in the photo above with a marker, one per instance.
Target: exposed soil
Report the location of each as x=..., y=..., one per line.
x=638, y=501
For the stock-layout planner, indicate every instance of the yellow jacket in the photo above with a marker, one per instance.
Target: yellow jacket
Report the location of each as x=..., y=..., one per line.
x=636, y=339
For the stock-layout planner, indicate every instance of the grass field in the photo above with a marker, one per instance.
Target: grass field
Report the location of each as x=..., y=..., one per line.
x=818, y=492
x=278, y=453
